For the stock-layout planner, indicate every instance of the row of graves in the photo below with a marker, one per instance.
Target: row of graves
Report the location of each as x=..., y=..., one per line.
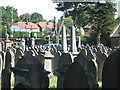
x=76, y=66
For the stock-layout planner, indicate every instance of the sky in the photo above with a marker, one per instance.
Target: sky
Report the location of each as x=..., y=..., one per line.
x=44, y=7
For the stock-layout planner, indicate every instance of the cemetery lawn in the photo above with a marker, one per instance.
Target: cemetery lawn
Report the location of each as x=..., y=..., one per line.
x=100, y=84
x=53, y=82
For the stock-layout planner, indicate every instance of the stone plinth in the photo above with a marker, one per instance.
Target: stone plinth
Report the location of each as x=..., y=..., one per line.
x=48, y=63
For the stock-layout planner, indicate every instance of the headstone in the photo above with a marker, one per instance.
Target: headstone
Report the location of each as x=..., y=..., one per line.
x=101, y=57
x=30, y=73
x=78, y=74
x=65, y=59
x=64, y=40
x=7, y=42
x=55, y=62
x=22, y=44
x=73, y=47
x=32, y=42
x=111, y=72
x=1, y=65
x=18, y=55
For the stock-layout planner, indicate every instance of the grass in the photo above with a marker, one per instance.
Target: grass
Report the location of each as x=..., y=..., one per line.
x=53, y=82
x=100, y=84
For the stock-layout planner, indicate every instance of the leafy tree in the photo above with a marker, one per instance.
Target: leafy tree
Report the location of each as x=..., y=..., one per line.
x=74, y=9
x=103, y=21
x=25, y=17
x=68, y=22
x=6, y=18
x=36, y=17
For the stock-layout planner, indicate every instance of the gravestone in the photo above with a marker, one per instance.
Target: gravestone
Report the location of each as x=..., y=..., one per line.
x=101, y=57
x=111, y=72
x=18, y=55
x=55, y=62
x=30, y=73
x=22, y=44
x=84, y=51
x=77, y=74
x=1, y=62
x=65, y=59
x=32, y=42
x=3, y=59
x=7, y=42
x=64, y=40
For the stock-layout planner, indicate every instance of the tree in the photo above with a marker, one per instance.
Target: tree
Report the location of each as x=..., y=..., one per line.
x=74, y=9
x=36, y=17
x=103, y=21
x=68, y=22
x=25, y=17
x=6, y=18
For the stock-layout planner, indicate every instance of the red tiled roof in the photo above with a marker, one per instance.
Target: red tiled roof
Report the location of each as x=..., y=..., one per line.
x=87, y=26
x=27, y=25
x=44, y=24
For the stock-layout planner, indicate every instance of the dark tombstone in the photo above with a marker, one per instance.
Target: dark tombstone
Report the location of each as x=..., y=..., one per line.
x=77, y=74
x=6, y=78
x=55, y=62
x=111, y=72
x=65, y=59
x=6, y=74
x=3, y=59
x=30, y=73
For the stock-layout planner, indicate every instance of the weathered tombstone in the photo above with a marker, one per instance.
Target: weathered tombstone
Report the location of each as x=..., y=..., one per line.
x=65, y=59
x=111, y=72
x=7, y=42
x=101, y=57
x=90, y=54
x=55, y=62
x=64, y=40
x=84, y=51
x=1, y=65
x=30, y=73
x=78, y=74
x=3, y=59
x=32, y=42
x=18, y=55
x=48, y=61
x=22, y=44
x=7, y=76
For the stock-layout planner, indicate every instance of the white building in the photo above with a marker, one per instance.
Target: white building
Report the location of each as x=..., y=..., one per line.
x=25, y=27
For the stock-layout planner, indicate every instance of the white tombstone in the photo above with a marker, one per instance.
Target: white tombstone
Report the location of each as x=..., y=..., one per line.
x=79, y=42
x=22, y=44
x=64, y=40
x=73, y=47
x=33, y=43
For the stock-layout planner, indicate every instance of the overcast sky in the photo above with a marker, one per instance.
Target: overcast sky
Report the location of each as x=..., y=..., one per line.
x=44, y=7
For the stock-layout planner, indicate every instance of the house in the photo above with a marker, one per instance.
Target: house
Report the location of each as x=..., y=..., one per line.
x=25, y=27
x=115, y=36
x=87, y=29
x=44, y=25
